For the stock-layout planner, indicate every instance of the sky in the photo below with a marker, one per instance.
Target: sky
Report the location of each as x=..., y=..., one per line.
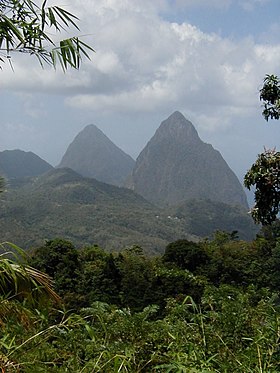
x=205, y=58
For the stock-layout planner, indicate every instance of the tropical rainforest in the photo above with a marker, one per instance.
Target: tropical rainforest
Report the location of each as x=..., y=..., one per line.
x=211, y=306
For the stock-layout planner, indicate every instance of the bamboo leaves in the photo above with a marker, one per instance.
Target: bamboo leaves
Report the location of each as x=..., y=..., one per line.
x=26, y=28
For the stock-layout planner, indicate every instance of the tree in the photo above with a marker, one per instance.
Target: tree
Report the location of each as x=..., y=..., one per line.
x=135, y=273
x=264, y=174
x=270, y=95
x=28, y=28
x=185, y=254
x=60, y=260
x=100, y=278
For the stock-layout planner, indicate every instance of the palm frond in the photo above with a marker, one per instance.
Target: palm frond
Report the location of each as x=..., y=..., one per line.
x=22, y=282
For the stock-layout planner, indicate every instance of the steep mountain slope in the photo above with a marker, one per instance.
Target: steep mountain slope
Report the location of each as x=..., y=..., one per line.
x=92, y=154
x=18, y=163
x=177, y=165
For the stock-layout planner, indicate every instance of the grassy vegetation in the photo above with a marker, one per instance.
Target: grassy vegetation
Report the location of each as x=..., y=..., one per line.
x=211, y=306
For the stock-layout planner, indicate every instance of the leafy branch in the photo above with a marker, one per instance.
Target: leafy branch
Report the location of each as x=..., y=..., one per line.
x=270, y=95
x=25, y=28
x=265, y=175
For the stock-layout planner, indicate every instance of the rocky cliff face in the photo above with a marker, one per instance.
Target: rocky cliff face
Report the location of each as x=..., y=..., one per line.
x=177, y=165
x=92, y=154
x=18, y=163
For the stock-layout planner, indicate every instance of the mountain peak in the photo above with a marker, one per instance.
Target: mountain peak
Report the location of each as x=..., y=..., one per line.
x=92, y=154
x=176, y=165
x=176, y=116
x=18, y=163
x=91, y=133
x=92, y=128
x=178, y=127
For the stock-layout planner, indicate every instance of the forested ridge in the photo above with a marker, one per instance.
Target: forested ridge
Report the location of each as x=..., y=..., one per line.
x=61, y=203
x=211, y=306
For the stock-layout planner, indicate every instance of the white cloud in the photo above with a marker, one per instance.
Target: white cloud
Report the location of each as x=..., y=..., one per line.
x=178, y=66
x=144, y=63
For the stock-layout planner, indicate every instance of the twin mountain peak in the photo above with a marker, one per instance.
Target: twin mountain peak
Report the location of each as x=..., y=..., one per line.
x=175, y=165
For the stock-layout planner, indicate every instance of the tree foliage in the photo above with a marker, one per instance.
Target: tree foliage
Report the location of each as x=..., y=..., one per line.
x=265, y=175
x=59, y=259
x=26, y=27
x=270, y=96
x=232, y=327
x=185, y=254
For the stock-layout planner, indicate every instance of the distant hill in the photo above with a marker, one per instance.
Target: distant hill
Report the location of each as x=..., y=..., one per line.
x=176, y=165
x=93, y=155
x=202, y=217
x=61, y=203
x=18, y=164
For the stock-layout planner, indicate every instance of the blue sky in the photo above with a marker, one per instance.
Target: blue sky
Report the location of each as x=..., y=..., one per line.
x=204, y=58
x=233, y=19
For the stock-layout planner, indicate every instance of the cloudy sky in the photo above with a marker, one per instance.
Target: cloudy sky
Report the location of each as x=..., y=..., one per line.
x=205, y=58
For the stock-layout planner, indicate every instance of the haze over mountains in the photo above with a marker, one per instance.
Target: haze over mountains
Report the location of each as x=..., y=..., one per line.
x=92, y=154
x=182, y=188
x=175, y=165
x=18, y=163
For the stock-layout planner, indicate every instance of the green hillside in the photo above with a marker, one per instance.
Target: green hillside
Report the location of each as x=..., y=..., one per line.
x=62, y=203
x=202, y=217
